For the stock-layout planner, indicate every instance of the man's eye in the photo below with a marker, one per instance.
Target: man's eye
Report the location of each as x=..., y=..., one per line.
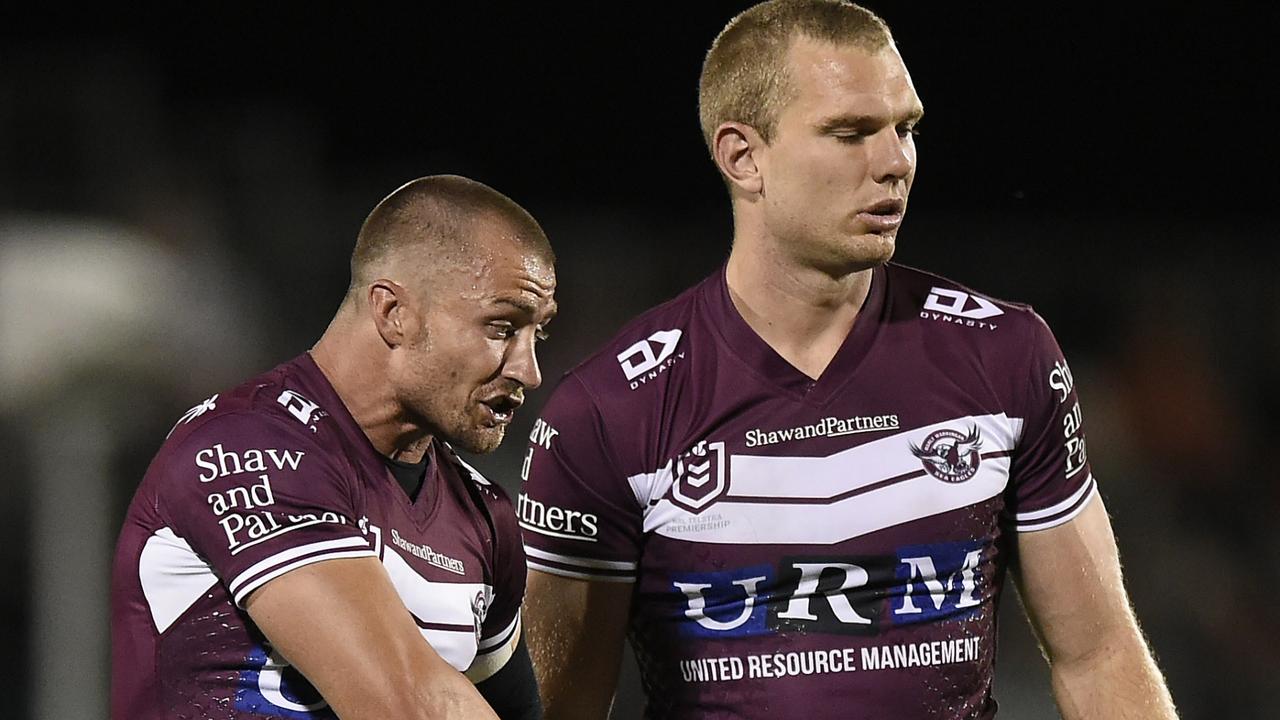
x=912, y=129
x=502, y=330
x=542, y=335
x=850, y=138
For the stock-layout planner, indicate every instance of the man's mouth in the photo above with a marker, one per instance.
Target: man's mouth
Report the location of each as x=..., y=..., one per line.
x=884, y=215
x=501, y=408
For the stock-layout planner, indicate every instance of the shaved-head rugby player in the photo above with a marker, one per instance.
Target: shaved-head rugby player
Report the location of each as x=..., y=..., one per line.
x=308, y=545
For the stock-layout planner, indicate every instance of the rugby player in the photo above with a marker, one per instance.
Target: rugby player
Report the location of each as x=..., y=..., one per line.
x=799, y=485
x=308, y=545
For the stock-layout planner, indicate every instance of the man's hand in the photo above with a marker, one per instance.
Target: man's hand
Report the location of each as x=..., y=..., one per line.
x=342, y=625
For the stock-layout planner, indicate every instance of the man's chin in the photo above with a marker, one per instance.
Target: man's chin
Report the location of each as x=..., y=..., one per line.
x=479, y=441
x=876, y=248
x=864, y=253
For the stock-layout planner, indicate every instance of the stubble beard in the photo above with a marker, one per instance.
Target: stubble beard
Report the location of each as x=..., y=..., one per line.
x=848, y=255
x=461, y=429
x=480, y=441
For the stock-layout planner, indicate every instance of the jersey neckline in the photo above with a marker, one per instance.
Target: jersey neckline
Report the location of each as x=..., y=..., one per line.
x=420, y=509
x=765, y=362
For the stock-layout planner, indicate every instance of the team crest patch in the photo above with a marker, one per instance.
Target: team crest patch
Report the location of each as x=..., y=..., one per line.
x=479, y=611
x=949, y=455
x=699, y=476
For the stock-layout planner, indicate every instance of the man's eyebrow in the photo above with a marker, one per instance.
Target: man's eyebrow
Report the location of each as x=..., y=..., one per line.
x=517, y=302
x=856, y=121
x=526, y=306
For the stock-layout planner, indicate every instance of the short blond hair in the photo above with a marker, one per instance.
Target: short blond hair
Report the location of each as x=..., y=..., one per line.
x=744, y=77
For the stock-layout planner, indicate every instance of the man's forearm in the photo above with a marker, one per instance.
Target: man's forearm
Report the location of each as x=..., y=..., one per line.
x=1119, y=681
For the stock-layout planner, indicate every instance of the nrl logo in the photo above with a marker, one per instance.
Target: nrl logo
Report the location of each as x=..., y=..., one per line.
x=699, y=477
x=950, y=456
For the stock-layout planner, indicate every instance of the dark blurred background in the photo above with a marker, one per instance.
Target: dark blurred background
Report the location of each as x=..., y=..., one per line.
x=179, y=192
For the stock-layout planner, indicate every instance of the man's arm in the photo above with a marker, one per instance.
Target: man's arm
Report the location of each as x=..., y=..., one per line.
x=511, y=690
x=575, y=630
x=342, y=625
x=1072, y=590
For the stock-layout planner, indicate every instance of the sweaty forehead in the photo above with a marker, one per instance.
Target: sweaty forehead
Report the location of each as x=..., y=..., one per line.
x=506, y=266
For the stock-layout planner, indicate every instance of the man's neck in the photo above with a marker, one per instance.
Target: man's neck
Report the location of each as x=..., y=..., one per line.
x=803, y=313
x=366, y=394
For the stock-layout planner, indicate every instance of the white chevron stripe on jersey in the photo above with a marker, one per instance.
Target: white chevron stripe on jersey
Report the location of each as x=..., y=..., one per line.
x=858, y=467
x=824, y=500
x=173, y=577
x=438, y=604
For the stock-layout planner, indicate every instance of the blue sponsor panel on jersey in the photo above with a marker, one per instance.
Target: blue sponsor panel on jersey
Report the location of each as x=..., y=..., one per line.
x=276, y=689
x=831, y=594
x=943, y=580
x=726, y=603
x=836, y=594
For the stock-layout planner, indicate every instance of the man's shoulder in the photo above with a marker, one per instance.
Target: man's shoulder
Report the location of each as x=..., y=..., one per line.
x=642, y=351
x=270, y=411
x=938, y=300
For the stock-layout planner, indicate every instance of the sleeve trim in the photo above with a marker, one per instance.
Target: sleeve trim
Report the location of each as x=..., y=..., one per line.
x=294, y=558
x=487, y=663
x=490, y=644
x=579, y=561
x=294, y=552
x=1063, y=519
x=1058, y=507
x=254, y=585
x=595, y=577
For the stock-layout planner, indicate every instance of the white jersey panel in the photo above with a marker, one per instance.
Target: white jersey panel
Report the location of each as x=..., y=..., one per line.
x=173, y=577
x=447, y=610
x=827, y=500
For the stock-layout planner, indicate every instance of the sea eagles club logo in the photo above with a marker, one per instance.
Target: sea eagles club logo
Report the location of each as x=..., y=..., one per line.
x=949, y=455
x=479, y=611
x=699, y=476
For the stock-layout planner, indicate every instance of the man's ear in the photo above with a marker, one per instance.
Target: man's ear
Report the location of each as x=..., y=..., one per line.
x=737, y=151
x=387, y=302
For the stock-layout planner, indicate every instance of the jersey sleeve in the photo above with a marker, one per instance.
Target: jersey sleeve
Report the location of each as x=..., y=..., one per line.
x=579, y=515
x=1051, y=478
x=257, y=498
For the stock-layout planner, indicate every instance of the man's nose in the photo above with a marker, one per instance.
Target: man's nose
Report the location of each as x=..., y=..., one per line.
x=522, y=363
x=893, y=156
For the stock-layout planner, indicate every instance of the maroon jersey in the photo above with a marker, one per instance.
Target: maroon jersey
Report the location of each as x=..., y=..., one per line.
x=267, y=478
x=819, y=549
